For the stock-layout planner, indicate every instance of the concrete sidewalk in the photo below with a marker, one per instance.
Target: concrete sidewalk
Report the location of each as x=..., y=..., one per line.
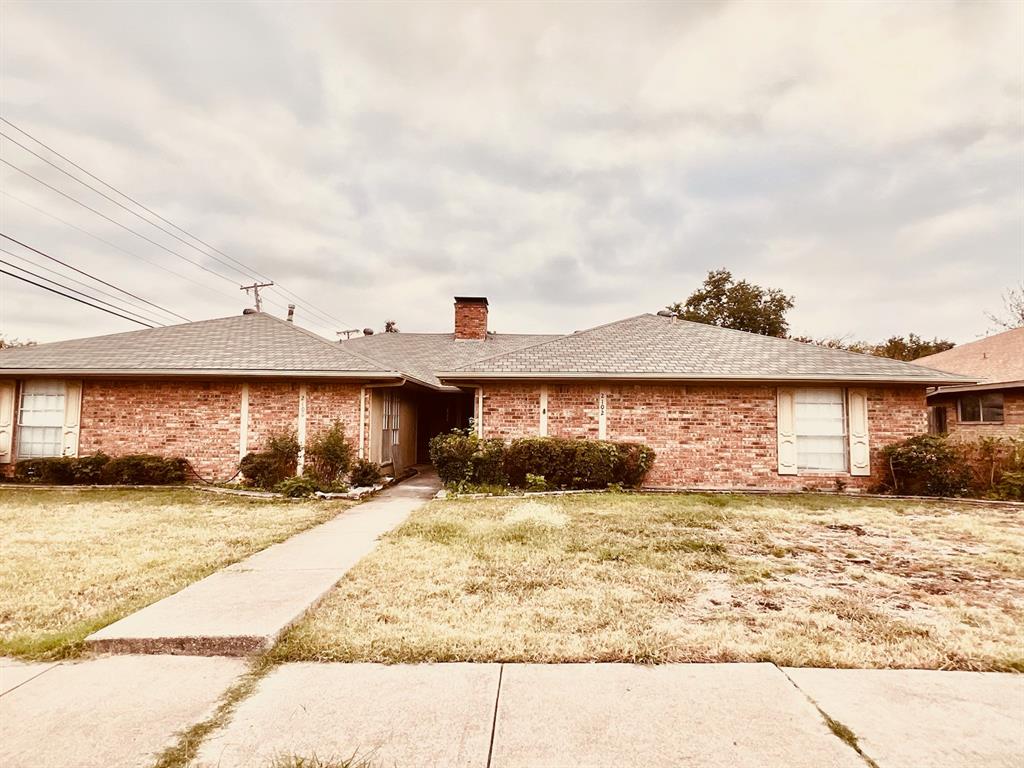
x=244, y=608
x=622, y=715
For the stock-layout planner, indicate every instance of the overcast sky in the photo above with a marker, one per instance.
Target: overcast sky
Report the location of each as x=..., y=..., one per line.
x=575, y=163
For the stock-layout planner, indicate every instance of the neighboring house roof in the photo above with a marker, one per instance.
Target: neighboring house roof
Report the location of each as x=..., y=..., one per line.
x=422, y=355
x=656, y=347
x=995, y=359
x=255, y=344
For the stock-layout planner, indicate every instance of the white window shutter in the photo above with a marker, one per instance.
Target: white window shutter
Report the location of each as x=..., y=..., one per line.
x=72, y=416
x=6, y=421
x=787, y=431
x=860, y=450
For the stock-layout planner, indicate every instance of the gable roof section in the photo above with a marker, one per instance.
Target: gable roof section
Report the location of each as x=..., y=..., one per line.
x=422, y=355
x=995, y=359
x=654, y=347
x=254, y=345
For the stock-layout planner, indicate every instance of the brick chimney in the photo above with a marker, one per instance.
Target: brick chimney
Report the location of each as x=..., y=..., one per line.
x=470, y=317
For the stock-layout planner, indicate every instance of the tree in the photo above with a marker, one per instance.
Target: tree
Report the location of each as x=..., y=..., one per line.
x=1012, y=315
x=390, y=326
x=724, y=302
x=5, y=343
x=905, y=348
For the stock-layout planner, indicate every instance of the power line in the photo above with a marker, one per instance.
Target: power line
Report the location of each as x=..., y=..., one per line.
x=244, y=273
x=93, y=277
x=117, y=247
x=282, y=289
x=73, y=298
x=149, y=320
x=76, y=282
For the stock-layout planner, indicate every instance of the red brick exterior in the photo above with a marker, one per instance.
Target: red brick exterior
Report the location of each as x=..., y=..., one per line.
x=200, y=420
x=705, y=436
x=470, y=319
x=1011, y=426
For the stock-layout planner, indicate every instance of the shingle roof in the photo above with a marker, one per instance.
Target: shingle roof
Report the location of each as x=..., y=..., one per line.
x=422, y=355
x=997, y=358
x=257, y=344
x=651, y=346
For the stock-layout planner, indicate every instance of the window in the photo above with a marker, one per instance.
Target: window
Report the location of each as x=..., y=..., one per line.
x=41, y=419
x=986, y=407
x=937, y=420
x=389, y=427
x=820, y=417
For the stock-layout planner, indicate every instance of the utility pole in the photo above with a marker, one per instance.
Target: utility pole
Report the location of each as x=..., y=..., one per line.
x=348, y=333
x=255, y=288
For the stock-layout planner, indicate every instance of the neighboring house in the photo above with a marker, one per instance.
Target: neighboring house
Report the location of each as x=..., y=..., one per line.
x=995, y=406
x=722, y=408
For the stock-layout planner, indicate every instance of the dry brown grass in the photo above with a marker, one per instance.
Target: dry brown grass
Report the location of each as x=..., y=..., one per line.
x=75, y=560
x=802, y=580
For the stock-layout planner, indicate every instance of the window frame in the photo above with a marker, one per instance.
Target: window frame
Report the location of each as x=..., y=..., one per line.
x=844, y=436
x=981, y=408
x=60, y=415
x=390, y=426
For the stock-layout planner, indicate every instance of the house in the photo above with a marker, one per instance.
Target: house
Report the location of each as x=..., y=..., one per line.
x=722, y=408
x=992, y=408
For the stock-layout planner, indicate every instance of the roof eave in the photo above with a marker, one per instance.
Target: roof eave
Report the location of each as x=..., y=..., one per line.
x=465, y=376
x=980, y=387
x=203, y=373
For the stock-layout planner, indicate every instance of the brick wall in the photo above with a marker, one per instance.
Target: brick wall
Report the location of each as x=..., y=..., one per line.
x=470, y=320
x=705, y=436
x=201, y=420
x=1013, y=417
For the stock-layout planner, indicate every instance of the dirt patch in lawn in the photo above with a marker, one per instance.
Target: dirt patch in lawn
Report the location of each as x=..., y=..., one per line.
x=801, y=581
x=74, y=561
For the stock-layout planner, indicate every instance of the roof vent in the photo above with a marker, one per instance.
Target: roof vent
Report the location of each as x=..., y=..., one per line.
x=367, y=331
x=666, y=313
x=249, y=311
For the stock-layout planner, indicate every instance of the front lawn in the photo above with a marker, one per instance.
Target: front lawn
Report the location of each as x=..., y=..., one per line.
x=796, y=580
x=72, y=561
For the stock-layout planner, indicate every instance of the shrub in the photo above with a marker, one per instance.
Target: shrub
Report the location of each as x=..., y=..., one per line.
x=297, y=487
x=329, y=456
x=274, y=464
x=144, y=469
x=927, y=465
x=50, y=471
x=462, y=460
x=364, y=474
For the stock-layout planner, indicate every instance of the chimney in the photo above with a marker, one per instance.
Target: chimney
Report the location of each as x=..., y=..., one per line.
x=291, y=313
x=470, y=317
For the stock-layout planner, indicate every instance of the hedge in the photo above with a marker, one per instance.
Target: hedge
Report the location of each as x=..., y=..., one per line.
x=934, y=465
x=100, y=469
x=462, y=458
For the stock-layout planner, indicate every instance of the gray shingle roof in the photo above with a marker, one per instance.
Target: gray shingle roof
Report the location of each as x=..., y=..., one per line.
x=422, y=355
x=257, y=344
x=651, y=346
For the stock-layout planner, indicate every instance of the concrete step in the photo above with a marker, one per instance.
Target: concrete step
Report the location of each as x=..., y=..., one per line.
x=244, y=608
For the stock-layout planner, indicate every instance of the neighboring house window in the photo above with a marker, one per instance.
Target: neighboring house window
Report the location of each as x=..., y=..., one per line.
x=389, y=427
x=986, y=407
x=820, y=416
x=41, y=419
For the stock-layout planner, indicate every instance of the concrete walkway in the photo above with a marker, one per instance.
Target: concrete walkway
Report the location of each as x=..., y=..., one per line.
x=621, y=715
x=244, y=608
x=122, y=711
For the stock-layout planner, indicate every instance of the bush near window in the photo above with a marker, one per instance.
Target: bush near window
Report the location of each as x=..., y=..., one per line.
x=274, y=464
x=462, y=459
x=935, y=465
x=297, y=487
x=364, y=474
x=328, y=457
x=100, y=469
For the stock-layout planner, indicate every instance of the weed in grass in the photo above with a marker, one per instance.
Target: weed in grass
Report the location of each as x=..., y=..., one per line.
x=312, y=761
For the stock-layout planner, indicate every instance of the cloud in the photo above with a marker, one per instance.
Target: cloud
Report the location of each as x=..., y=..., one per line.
x=575, y=164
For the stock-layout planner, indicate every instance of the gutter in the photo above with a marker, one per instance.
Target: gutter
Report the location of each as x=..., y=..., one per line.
x=200, y=373
x=470, y=376
x=980, y=387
